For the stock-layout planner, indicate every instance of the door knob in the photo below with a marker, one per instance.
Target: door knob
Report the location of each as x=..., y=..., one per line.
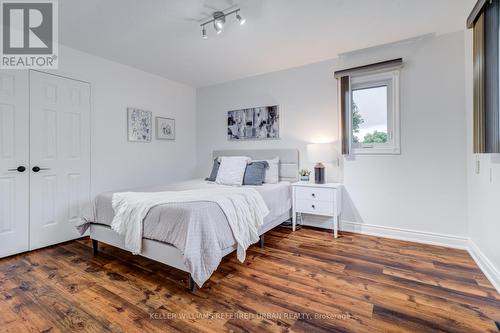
x=37, y=168
x=19, y=169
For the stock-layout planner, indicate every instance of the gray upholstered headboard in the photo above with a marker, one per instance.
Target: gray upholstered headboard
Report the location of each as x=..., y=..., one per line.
x=289, y=159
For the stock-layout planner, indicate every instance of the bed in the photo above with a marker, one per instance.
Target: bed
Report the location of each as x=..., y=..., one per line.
x=196, y=237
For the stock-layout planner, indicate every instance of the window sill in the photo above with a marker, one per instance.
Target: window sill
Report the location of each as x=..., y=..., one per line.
x=377, y=151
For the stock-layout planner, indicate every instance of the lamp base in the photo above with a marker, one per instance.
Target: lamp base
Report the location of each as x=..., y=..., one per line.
x=319, y=173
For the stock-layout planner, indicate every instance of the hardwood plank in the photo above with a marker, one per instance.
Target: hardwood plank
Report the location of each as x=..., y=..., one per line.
x=465, y=285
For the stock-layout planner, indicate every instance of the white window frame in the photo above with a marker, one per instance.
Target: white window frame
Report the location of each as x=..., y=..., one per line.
x=390, y=79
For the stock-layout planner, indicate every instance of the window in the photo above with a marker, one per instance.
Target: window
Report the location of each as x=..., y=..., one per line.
x=375, y=114
x=485, y=20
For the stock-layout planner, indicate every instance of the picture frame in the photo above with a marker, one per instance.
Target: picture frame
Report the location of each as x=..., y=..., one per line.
x=165, y=128
x=139, y=125
x=257, y=123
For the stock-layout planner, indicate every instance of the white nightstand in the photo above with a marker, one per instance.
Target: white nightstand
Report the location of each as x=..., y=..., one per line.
x=317, y=199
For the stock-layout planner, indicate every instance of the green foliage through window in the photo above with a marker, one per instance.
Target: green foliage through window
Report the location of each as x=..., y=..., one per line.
x=375, y=137
x=357, y=120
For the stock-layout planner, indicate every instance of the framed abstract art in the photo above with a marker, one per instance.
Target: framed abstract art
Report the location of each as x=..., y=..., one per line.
x=139, y=123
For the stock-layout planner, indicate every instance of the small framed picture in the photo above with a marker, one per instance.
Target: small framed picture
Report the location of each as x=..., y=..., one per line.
x=165, y=128
x=139, y=124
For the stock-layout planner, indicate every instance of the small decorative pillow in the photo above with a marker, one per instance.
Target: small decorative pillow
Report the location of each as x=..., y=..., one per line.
x=215, y=170
x=232, y=170
x=255, y=173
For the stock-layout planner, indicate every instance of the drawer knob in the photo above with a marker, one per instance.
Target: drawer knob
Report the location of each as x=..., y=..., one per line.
x=313, y=206
x=313, y=195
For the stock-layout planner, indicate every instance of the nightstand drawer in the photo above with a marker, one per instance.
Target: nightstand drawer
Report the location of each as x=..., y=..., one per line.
x=314, y=206
x=315, y=194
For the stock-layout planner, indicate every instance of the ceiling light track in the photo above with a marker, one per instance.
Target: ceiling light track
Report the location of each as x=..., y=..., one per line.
x=219, y=20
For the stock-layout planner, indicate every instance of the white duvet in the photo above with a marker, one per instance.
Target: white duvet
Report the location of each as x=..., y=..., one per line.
x=244, y=208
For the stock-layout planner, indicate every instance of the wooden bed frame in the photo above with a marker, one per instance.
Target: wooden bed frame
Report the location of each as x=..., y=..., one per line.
x=169, y=254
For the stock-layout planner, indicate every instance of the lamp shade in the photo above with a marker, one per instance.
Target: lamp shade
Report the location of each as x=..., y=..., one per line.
x=321, y=152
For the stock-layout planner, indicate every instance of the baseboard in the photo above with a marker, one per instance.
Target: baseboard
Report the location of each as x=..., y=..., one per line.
x=485, y=265
x=431, y=238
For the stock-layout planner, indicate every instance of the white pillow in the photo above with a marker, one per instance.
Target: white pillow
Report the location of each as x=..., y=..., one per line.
x=273, y=171
x=232, y=170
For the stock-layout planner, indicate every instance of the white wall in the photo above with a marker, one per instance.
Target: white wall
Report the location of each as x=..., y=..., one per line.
x=422, y=189
x=117, y=163
x=483, y=187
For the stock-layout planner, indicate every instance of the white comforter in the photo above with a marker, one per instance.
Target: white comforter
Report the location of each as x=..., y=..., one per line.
x=244, y=208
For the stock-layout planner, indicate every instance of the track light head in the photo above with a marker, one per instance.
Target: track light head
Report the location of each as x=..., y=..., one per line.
x=217, y=28
x=240, y=19
x=219, y=20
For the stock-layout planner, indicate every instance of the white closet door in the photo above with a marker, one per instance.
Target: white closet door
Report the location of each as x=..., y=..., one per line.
x=59, y=157
x=14, y=145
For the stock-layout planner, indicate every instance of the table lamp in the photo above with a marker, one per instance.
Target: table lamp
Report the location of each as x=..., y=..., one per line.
x=320, y=153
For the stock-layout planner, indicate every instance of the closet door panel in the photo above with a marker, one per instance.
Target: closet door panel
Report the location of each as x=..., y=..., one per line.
x=60, y=148
x=14, y=150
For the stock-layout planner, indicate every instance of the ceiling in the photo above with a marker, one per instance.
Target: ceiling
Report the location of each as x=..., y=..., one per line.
x=164, y=37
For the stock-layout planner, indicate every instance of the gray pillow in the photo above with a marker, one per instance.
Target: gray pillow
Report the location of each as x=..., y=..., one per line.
x=215, y=170
x=255, y=173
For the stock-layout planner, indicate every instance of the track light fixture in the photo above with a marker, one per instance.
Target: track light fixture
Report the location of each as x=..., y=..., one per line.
x=219, y=20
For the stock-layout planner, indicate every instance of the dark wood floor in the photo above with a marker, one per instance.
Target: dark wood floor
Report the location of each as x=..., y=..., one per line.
x=304, y=281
